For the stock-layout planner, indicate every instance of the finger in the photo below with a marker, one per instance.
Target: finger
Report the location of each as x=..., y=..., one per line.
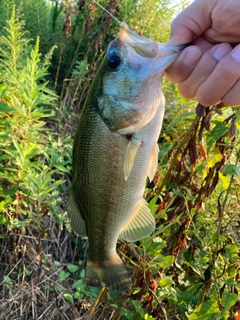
x=225, y=22
x=186, y=62
x=203, y=44
x=222, y=80
x=232, y=97
x=184, y=65
x=193, y=21
x=206, y=65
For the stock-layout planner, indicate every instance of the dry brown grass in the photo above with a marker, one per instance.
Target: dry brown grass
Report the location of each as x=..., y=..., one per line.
x=32, y=289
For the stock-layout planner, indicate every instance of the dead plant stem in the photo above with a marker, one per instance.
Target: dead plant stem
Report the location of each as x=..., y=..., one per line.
x=173, y=162
x=101, y=296
x=59, y=64
x=75, y=54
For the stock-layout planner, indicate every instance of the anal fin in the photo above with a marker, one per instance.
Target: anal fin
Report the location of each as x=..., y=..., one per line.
x=153, y=162
x=140, y=225
x=131, y=152
x=76, y=220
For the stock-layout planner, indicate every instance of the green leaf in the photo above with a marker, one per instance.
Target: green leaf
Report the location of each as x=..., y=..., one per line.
x=7, y=279
x=148, y=317
x=28, y=273
x=53, y=186
x=164, y=261
x=62, y=168
x=230, y=281
x=69, y=297
x=205, y=311
x=199, y=167
x=18, y=223
x=78, y=284
x=138, y=307
x=2, y=90
x=187, y=296
x=217, y=132
x=164, y=282
x=55, y=11
x=214, y=159
x=158, y=246
x=78, y=295
x=6, y=108
x=229, y=299
x=178, y=193
x=4, y=204
x=225, y=180
x=57, y=264
x=232, y=169
x=63, y=275
x=3, y=220
x=18, y=147
x=72, y=267
x=91, y=292
x=232, y=253
x=129, y=315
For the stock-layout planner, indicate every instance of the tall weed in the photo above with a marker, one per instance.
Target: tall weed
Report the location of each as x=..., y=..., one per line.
x=26, y=172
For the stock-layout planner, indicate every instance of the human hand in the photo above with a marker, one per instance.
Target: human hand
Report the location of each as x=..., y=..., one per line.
x=209, y=69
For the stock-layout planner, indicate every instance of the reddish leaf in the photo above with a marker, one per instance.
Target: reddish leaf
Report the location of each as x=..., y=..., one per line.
x=182, y=245
x=198, y=207
x=237, y=317
x=161, y=206
x=202, y=151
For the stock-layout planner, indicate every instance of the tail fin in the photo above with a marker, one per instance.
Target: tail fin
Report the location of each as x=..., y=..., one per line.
x=111, y=274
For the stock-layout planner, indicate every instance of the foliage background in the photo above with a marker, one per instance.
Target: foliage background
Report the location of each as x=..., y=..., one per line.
x=190, y=267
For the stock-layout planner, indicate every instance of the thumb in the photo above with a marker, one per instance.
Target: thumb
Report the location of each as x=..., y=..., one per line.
x=193, y=21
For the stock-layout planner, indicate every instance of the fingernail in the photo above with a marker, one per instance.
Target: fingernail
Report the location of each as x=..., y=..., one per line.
x=191, y=58
x=220, y=52
x=176, y=41
x=236, y=53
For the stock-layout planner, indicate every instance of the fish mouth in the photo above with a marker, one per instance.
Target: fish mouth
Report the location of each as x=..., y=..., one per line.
x=162, y=55
x=143, y=46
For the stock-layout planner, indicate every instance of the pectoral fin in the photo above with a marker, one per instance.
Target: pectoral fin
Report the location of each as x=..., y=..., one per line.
x=131, y=152
x=76, y=220
x=141, y=224
x=153, y=162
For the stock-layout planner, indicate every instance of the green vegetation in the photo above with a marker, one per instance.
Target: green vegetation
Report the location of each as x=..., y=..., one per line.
x=190, y=267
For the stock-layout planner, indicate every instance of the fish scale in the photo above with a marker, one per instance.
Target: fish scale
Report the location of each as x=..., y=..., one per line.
x=115, y=149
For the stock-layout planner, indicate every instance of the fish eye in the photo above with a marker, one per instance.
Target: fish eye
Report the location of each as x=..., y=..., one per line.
x=114, y=61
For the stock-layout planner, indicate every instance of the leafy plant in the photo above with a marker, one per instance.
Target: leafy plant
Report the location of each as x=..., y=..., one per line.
x=26, y=177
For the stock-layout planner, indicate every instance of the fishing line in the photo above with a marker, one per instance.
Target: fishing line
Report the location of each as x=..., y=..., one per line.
x=107, y=11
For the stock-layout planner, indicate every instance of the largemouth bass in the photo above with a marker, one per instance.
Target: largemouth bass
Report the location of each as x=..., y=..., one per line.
x=115, y=149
